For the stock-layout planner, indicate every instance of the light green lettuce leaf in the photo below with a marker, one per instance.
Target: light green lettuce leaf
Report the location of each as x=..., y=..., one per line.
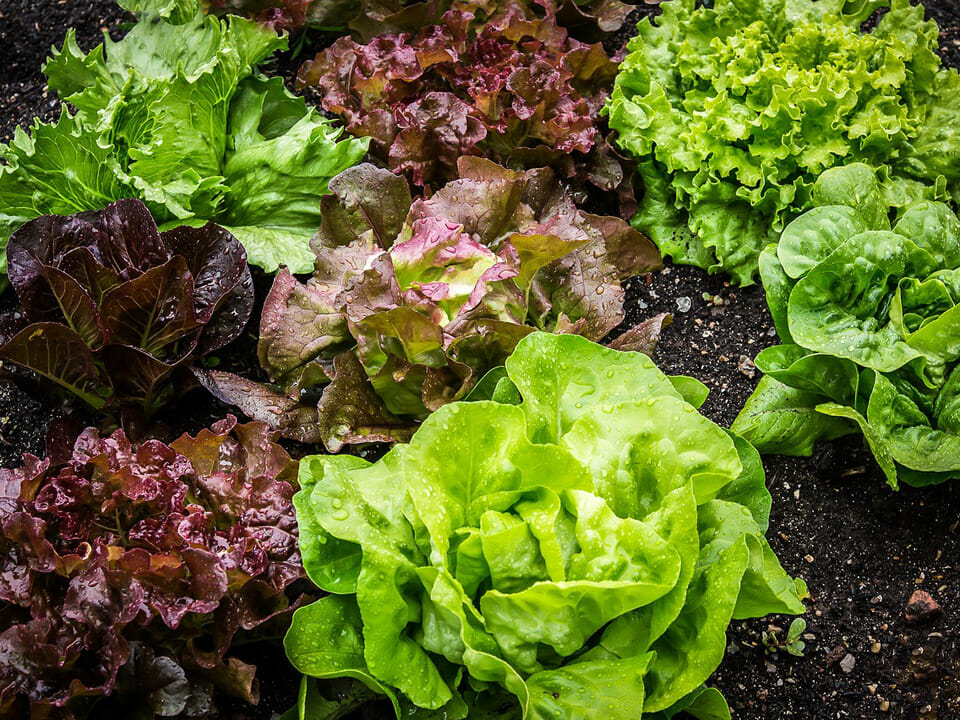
x=580, y=690
x=176, y=115
x=581, y=546
x=329, y=641
x=871, y=324
x=693, y=645
x=565, y=376
x=778, y=419
x=58, y=169
x=703, y=703
x=280, y=159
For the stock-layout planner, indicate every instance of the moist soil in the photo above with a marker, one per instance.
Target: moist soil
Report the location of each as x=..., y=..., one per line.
x=862, y=548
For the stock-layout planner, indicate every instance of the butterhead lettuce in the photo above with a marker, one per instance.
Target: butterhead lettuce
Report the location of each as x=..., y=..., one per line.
x=734, y=109
x=869, y=314
x=580, y=546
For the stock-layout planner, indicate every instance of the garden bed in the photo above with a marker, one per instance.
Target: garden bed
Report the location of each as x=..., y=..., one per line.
x=862, y=549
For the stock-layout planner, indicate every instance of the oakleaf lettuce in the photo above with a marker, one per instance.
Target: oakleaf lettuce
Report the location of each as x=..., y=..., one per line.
x=583, y=548
x=176, y=115
x=734, y=109
x=869, y=313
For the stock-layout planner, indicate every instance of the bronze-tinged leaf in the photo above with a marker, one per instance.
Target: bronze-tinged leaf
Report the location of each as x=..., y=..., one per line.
x=263, y=404
x=407, y=334
x=82, y=265
x=297, y=324
x=129, y=241
x=365, y=199
x=76, y=305
x=216, y=260
x=137, y=376
x=59, y=354
x=152, y=311
x=351, y=412
x=644, y=336
x=631, y=252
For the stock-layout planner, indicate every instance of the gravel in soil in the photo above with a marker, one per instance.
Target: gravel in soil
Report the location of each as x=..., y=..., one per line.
x=862, y=549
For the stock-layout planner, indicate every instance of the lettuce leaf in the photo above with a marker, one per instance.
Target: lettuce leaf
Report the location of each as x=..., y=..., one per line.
x=113, y=311
x=367, y=18
x=128, y=572
x=735, y=108
x=175, y=114
x=584, y=548
x=873, y=316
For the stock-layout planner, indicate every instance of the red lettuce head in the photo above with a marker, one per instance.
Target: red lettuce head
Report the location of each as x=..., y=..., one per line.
x=413, y=301
x=110, y=307
x=508, y=84
x=136, y=565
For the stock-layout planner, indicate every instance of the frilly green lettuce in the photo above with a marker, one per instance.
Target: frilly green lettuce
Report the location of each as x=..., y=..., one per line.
x=870, y=318
x=581, y=550
x=734, y=110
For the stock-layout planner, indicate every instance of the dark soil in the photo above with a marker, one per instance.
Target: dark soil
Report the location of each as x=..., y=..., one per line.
x=862, y=548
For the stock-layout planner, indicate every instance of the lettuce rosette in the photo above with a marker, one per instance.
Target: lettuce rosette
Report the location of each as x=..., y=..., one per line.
x=869, y=314
x=734, y=108
x=412, y=301
x=577, y=542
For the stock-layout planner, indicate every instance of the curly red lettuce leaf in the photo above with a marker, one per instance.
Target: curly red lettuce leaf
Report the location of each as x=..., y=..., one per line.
x=514, y=88
x=368, y=18
x=129, y=569
x=413, y=301
x=111, y=308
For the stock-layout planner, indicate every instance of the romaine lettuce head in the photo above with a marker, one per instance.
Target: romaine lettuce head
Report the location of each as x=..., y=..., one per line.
x=175, y=114
x=734, y=110
x=580, y=545
x=114, y=311
x=870, y=318
x=412, y=301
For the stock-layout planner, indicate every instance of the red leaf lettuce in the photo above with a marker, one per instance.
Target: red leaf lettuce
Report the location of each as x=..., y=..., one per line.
x=131, y=569
x=514, y=88
x=412, y=302
x=367, y=18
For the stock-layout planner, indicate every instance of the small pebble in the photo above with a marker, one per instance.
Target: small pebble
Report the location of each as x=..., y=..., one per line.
x=921, y=608
x=848, y=663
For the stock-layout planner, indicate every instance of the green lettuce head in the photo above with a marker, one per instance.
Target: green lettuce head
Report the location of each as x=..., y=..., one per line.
x=734, y=111
x=870, y=319
x=175, y=114
x=578, y=542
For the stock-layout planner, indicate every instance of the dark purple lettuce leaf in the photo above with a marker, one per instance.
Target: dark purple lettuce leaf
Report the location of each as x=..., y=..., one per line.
x=128, y=570
x=411, y=303
x=502, y=81
x=110, y=307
